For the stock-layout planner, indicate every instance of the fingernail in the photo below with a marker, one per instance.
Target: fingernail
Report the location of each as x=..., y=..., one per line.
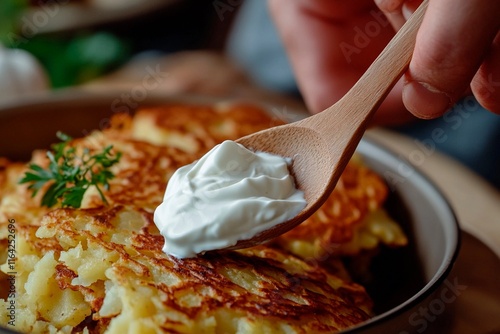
x=425, y=101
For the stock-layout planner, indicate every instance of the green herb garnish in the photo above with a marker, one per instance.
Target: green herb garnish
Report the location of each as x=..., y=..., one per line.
x=71, y=174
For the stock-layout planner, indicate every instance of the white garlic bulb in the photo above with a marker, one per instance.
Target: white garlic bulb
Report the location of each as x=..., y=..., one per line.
x=20, y=74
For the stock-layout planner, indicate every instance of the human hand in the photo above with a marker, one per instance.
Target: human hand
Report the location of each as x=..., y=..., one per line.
x=332, y=42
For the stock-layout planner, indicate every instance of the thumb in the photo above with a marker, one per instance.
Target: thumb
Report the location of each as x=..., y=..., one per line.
x=452, y=42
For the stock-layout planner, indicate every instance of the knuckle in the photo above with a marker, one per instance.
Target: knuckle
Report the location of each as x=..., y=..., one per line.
x=443, y=68
x=487, y=91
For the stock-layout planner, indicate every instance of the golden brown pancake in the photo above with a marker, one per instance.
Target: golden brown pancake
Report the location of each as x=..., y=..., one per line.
x=100, y=268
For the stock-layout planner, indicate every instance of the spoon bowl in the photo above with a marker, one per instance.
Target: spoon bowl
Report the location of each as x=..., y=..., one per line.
x=321, y=145
x=310, y=168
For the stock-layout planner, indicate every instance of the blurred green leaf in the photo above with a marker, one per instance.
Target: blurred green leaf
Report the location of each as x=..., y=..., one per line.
x=74, y=60
x=10, y=13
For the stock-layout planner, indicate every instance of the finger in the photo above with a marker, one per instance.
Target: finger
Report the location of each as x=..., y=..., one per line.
x=397, y=11
x=392, y=110
x=327, y=44
x=392, y=9
x=409, y=7
x=452, y=42
x=486, y=83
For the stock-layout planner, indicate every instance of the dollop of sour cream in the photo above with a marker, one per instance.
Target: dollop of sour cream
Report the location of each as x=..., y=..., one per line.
x=230, y=194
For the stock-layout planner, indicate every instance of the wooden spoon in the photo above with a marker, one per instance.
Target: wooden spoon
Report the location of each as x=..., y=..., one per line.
x=322, y=145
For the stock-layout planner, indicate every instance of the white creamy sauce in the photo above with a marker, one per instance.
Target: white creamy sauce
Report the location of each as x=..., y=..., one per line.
x=230, y=194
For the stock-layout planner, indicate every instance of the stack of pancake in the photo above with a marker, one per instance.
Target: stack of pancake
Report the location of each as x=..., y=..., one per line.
x=100, y=268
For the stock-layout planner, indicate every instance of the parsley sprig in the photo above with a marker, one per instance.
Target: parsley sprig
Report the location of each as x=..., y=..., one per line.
x=71, y=173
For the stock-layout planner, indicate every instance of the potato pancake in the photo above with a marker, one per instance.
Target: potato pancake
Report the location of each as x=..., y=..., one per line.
x=100, y=268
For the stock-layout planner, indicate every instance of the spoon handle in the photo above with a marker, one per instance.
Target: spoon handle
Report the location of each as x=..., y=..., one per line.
x=388, y=67
x=356, y=107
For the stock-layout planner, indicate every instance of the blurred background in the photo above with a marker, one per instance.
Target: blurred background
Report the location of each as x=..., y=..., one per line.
x=225, y=48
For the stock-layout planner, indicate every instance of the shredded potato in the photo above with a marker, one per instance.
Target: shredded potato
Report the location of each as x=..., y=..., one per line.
x=100, y=269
